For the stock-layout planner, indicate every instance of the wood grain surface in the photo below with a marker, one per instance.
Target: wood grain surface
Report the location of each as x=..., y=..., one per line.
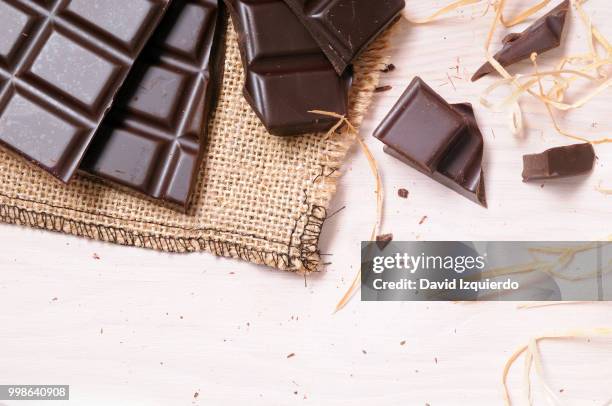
x=128, y=326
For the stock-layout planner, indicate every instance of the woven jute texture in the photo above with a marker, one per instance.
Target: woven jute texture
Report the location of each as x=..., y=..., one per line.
x=259, y=198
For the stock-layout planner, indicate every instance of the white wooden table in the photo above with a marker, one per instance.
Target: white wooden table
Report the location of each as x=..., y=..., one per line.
x=136, y=327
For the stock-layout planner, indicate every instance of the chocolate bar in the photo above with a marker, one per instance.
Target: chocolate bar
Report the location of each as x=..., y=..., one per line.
x=344, y=28
x=440, y=140
x=287, y=75
x=543, y=35
x=61, y=65
x=152, y=141
x=561, y=162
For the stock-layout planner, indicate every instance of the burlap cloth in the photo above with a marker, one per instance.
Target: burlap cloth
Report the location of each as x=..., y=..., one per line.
x=259, y=198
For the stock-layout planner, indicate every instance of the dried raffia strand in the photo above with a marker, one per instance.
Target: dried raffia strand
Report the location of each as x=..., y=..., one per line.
x=557, y=105
x=523, y=15
x=603, y=190
x=533, y=357
x=444, y=10
x=539, y=305
x=565, y=256
x=343, y=121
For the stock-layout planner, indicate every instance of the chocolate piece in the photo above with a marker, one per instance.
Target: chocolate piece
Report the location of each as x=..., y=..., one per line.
x=403, y=193
x=422, y=122
x=561, y=162
x=421, y=125
x=287, y=75
x=382, y=89
x=153, y=139
x=543, y=35
x=61, y=64
x=388, y=68
x=344, y=28
x=383, y=240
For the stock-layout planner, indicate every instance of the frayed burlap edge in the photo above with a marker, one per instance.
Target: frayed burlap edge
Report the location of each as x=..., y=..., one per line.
x=301, y=254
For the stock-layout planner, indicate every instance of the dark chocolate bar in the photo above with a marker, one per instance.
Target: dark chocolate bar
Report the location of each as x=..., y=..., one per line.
x=287, y=75
x=561, y=162
x=61, y=65
x=344, y=28
x=153, y=139
x=543, y=35
x=440, y=140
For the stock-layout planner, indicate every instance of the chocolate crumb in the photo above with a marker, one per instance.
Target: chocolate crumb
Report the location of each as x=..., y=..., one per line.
x=195, y=395
x=403, y=342
x=383, y=240
x=423, y=220
x=403, y=193
x=291, y=355
x=381, y=89
x=364, y=352
x=95, y=256
x=388, y=68
x=54, y=299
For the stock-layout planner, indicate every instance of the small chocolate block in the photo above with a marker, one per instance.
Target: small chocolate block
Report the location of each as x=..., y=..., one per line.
x=421, y=125
x=442, y=141
x=561, y=162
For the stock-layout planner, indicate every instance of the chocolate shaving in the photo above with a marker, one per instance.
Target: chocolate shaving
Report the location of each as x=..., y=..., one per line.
x=381, y=89
x=388, y=68
x=543, y=35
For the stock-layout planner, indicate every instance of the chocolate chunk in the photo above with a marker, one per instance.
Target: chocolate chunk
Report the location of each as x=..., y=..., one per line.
x=543, y=35
x=61, y=65
x=287, y=75
x=344, y=28
x=403, y=193
x=421, y=125
x=421, y=122
x=152, y=140
x=383, y=240
x=561, y=162
x=388, y=68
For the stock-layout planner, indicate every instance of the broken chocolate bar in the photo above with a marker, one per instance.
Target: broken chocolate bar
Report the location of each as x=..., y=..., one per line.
x=344, y=28
x=152, y=141
x=422, y=125
x=543, y=35
x=561, y=162
x=287, y=75
x=61, y=65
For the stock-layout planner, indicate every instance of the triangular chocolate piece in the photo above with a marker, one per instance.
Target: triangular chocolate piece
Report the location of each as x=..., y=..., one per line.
x=543, y=35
